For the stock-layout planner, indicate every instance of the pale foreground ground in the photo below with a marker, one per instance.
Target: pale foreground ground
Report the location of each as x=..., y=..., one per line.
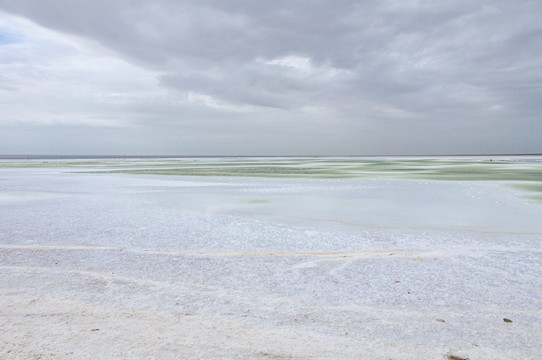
x=134, y=266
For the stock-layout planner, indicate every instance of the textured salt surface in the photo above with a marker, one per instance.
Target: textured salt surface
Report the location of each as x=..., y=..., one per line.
x=135, y=266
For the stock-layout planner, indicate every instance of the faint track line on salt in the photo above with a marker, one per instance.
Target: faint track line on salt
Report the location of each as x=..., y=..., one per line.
x=374, y=253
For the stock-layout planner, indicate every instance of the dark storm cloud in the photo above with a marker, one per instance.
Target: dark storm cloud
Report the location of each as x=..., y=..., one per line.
x=398, y=70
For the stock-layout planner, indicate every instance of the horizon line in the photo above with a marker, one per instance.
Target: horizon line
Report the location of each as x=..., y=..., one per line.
x=166, y=156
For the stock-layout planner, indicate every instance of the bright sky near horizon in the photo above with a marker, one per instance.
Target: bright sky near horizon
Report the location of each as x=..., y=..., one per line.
x=270, y=77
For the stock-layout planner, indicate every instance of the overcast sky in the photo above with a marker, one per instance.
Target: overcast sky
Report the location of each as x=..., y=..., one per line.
x=267, y=77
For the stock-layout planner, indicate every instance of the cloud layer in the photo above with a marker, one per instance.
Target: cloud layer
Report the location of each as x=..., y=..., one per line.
x=268, y=77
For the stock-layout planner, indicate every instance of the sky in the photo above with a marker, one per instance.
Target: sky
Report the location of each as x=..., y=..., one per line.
x=267, y=77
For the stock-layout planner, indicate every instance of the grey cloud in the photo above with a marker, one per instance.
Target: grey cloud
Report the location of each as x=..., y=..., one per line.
x=419, y=65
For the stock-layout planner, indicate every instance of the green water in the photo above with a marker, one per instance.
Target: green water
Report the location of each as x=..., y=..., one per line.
x=523, y=173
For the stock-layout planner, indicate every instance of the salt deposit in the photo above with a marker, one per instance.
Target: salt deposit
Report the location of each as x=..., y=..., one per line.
x=136, y=266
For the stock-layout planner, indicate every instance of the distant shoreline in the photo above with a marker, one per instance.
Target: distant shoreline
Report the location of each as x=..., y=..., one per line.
x=121, y=157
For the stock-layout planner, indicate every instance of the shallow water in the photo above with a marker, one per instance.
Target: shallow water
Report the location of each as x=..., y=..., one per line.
x=360, y=265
